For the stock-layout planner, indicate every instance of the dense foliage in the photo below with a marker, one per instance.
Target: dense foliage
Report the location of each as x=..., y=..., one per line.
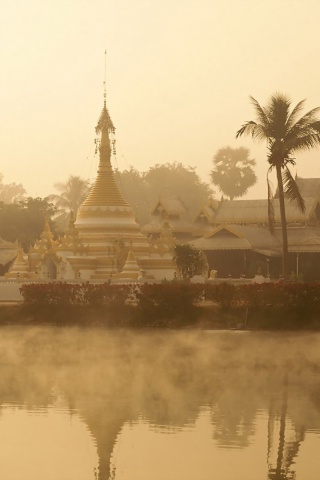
x=60, y=293
x=189, y=261
x=24, y=221
x=142, y=190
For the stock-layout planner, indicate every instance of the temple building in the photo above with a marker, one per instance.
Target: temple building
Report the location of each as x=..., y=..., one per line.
x=236, y=239
x=172, y=212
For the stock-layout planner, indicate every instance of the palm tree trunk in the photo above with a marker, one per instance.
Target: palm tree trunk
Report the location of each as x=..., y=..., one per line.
x=283, y=224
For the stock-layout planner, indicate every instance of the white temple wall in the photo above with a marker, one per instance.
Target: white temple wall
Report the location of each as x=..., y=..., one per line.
x=85, y=274
x=10, y=291
x=161, y=274
x=65, y=271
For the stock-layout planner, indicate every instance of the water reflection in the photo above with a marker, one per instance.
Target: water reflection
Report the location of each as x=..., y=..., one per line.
x=162, y=405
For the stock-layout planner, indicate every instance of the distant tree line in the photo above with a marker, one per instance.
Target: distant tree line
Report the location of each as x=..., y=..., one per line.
x=23, y=217
x=11, y=192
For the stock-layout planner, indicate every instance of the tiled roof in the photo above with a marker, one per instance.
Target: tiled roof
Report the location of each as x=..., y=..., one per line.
x=172, y=206
x=238, y=237
x=7, y=256
x=259, y=239
x=256, y=212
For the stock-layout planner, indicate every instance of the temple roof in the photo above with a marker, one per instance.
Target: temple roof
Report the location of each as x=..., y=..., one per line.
x=308, y=187
x=256, y=212
x=259, y=239
x=234, y=237
x=7, y=256
x=171, y=206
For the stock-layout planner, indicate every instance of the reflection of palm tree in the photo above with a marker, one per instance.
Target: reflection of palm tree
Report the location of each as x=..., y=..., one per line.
x=287, y=450
x=72, y=194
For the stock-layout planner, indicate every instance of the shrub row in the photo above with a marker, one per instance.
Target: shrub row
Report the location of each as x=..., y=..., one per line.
x=170, y=305
x=60, y=293
x=171, y=297
x=278, y=295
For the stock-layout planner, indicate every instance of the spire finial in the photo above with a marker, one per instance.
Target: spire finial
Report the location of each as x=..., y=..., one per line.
x=105, y=76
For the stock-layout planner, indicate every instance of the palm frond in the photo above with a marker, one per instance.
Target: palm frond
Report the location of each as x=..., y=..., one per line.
x=309, y=121
x=271, y=215
x=260, y=111
x=310, y=139
x=252, y=128
x=291, y=190
x=293, y=115
x=246, y=129
x=278, y=110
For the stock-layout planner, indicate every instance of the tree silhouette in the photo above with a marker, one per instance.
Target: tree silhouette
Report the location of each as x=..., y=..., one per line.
x=72, y=193
x=11, y=192
x=189, y=261
x=24, y=221
x=233, y=172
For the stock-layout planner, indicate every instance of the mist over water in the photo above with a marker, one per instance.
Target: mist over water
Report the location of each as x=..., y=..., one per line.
x=168, y=404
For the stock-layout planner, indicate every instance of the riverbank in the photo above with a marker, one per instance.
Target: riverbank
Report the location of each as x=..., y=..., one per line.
x=208, y=316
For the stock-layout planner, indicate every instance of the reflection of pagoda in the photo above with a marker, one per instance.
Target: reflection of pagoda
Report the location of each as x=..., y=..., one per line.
x=105, y=418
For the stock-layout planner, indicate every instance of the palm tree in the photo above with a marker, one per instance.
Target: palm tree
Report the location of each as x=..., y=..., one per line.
x=285, y=134
x=72, y=194
x=233, y=172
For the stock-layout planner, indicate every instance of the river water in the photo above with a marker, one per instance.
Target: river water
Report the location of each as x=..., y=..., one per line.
x=88, y=404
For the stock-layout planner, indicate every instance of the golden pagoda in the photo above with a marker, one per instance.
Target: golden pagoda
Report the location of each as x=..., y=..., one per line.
x=106, y=225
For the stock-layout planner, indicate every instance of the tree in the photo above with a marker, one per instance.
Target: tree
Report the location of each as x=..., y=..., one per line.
x=136, y=191
x=24, y=221
x=142, y=190
x=175, y=179
x=285, y=134
x=233, y=172
x=11, y=192
x=72, y=194
x=189, y=261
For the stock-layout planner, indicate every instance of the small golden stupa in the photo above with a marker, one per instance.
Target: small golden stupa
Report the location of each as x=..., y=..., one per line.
x=20, y=267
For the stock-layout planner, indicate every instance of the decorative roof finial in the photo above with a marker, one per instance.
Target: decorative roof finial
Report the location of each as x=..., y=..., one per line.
x=105, y=79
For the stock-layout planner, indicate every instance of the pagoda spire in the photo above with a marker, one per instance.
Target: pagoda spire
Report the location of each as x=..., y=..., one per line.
x=105, y=191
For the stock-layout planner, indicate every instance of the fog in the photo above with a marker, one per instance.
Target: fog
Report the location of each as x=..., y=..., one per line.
x=179, y=74
x=113, y=377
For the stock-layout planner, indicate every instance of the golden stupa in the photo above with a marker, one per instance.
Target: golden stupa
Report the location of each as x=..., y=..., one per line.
x=106, y=225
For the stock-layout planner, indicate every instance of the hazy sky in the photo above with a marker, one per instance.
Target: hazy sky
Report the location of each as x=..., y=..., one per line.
x=179, y=73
